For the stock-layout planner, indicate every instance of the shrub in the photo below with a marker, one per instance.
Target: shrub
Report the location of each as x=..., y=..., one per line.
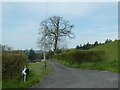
x=12, y=64
x=80, y=56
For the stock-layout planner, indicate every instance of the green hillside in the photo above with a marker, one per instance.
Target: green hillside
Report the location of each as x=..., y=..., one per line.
x=111, y=50
x=111, y=56
x=108, y=62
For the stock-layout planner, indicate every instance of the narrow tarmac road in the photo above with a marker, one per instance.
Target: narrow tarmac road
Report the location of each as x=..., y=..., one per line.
x=64, y=77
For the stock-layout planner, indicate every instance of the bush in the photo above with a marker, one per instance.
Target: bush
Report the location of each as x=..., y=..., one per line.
x=80, y=56
x=12, y=64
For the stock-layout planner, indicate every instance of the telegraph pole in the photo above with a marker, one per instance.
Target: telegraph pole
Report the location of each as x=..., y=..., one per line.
x=45, y=42
x=45, y=54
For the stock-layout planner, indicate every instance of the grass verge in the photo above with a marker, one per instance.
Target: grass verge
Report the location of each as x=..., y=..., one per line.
x=0, y=85
x=36, y=75
x=111, y=66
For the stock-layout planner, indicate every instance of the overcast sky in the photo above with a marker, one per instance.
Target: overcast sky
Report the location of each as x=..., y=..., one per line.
x=92, y=21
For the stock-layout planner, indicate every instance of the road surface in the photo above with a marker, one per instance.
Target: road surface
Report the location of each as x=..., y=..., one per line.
x=64, y=77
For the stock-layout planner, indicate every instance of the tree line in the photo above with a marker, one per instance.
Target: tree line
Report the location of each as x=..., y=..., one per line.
x=5, y=48
x=30, y=53
x=89, y=46
x=37, y=55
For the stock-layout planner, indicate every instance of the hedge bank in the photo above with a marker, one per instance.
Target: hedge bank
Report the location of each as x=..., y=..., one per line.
x=12, y=64
x=79, y=56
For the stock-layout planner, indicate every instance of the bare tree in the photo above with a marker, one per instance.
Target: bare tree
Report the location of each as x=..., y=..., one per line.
x=53, y=30
x=6, y=48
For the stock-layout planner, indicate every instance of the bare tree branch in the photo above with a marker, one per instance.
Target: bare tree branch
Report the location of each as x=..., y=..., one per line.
x=53, y=30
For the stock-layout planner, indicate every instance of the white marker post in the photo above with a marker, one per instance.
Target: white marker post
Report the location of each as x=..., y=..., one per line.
x=24, y=73
x=24, y=78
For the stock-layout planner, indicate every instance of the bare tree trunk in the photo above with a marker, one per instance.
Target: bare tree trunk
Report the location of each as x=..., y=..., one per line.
x=56, y=36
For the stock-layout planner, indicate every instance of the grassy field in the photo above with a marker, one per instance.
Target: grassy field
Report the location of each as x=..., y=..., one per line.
x=36, y=75
x=111, y=56
x=111, y=50
x=110, y=63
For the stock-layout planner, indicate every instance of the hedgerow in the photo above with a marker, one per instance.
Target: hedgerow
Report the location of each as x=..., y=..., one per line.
x=12, y=64
x=80, y=56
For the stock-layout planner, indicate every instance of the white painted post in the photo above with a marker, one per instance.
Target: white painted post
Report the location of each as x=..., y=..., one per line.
x=24, y=78
x=24, y=73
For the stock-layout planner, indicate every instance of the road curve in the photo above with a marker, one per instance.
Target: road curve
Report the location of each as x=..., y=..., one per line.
x=64, y=77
